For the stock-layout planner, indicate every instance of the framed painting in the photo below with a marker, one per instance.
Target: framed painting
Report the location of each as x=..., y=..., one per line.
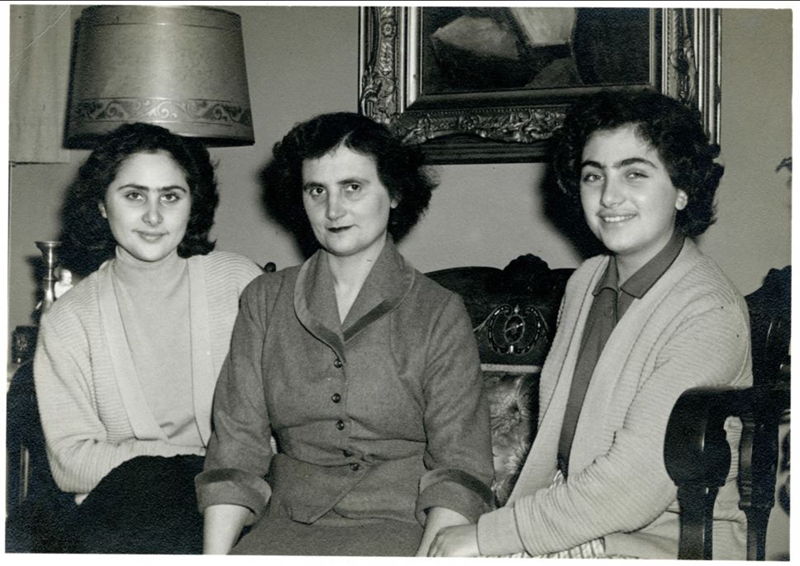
x=484, y=85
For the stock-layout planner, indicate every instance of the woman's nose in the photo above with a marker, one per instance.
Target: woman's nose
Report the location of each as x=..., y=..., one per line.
x=334, y=208
x=152, y=216
x=612, y=193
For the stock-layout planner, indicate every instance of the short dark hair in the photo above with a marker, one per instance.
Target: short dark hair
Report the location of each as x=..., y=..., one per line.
x=671, y=128
x=400, y=168
x=86, y=236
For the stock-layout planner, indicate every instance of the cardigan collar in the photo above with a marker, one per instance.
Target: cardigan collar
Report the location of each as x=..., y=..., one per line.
x=143, y=422
x=640, y=282
x=388, y=283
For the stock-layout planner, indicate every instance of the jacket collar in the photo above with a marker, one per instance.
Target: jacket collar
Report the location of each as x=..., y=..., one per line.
x=387, y=284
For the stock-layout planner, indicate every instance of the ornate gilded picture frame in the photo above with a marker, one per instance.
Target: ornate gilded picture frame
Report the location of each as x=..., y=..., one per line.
x=491, y=85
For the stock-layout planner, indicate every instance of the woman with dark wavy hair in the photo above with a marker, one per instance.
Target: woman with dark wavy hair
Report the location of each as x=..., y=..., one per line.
x=365, y=371
x=127, y=360
x=639, y=325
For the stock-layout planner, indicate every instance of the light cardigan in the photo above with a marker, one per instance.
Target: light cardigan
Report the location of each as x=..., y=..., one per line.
x=93, y=410
x=691, y=329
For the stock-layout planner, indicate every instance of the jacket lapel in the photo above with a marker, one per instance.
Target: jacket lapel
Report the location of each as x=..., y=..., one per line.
x=315, y=302
x=387, y=284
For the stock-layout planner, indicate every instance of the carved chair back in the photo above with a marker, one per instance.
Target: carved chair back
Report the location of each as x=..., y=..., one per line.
x=513, y=313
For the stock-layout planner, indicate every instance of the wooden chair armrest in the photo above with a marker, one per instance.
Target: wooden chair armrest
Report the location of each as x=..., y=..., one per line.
x=698, y=458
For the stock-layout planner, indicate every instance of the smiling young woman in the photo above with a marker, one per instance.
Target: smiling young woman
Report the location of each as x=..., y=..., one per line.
x=639, y=325
x=628, y=198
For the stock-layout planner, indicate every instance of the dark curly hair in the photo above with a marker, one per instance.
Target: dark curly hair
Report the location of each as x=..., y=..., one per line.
x=86, y=236
x=672, y=129
x=400, y=168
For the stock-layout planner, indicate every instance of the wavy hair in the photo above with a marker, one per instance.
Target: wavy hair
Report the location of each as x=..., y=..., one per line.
x=86, y=236
x=672, y=129
x=400, y=168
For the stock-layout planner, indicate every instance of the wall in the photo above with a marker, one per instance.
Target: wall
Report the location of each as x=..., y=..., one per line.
x=480, y=214
x=302, y=61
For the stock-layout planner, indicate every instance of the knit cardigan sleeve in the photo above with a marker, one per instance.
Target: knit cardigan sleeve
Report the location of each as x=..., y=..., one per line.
x=67, y=384
x=628, y=487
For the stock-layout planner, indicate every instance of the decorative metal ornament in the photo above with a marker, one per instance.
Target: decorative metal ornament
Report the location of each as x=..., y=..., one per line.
x=180, y=67
x=514, y=330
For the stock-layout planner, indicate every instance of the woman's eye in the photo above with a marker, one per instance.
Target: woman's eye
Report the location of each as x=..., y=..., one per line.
x=590, y=177
x=170, y=197
x=353, y=187
x=135, y=196
x=636, y=175
x=315, y=191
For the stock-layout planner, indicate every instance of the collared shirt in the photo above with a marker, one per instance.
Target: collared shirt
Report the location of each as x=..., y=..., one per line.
x=611, y=302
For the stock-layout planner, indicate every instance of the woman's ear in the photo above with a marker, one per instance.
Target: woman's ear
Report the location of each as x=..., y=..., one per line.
x=682, y=200
x=102, y=206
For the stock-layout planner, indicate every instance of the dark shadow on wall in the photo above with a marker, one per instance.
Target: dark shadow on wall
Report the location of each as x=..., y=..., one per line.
x=566, y=214
x=286, y=207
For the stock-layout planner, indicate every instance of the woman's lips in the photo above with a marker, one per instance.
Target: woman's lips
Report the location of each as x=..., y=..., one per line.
x=151, y=236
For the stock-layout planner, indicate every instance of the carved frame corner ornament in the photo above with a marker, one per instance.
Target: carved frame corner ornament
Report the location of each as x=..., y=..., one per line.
x=684, y=61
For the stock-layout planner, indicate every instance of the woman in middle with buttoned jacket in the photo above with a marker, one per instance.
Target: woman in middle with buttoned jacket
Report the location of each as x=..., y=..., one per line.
x=365, y=371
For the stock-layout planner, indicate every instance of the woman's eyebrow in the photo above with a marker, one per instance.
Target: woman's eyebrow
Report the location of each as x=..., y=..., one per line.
x=146, y=188
x=622, y=163
x=635, y=161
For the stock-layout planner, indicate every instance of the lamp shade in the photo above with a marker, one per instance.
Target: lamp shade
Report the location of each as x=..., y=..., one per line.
x=180, y=67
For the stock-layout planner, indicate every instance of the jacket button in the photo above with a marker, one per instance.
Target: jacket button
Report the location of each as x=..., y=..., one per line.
x=336, y=397
x=337, y=363
x=355, y=467
x=340, y=425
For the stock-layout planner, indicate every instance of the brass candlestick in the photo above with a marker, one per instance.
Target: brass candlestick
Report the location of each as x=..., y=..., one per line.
x=50, y=258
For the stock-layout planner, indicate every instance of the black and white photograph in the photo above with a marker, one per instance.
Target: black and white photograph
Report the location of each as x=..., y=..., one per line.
x=342, y=279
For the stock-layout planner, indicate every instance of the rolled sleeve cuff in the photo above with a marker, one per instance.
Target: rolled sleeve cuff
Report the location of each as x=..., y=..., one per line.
x=233, y=487
x=498, y=534
x=455, y=490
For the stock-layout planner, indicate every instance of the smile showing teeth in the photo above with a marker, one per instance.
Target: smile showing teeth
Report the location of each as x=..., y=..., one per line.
x=620, y=218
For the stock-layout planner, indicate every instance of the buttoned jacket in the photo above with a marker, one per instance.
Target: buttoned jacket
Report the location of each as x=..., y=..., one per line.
x=381, y=416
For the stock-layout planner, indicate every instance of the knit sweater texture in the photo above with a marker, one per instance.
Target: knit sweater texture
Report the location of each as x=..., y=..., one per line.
x=690, y=330
x=93, y=410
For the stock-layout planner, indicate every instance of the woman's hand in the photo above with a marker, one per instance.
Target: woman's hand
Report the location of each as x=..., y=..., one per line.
x=456, y=541
x=438, y=519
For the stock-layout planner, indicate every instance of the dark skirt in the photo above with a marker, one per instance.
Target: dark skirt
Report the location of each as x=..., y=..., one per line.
x=146, y=505
x=331, y=535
